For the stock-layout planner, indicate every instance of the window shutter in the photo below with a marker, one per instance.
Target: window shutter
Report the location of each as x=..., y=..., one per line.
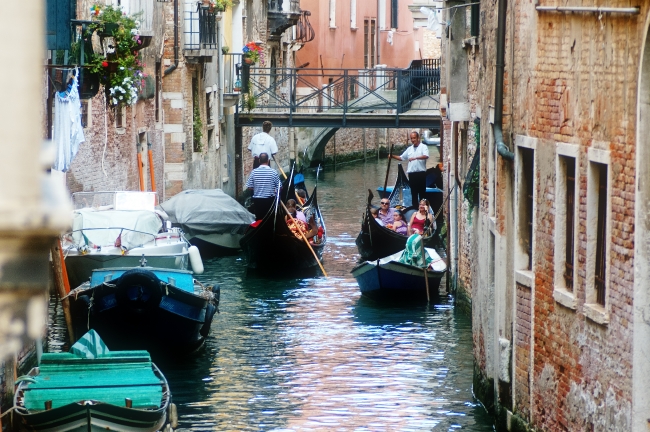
x=59, y=14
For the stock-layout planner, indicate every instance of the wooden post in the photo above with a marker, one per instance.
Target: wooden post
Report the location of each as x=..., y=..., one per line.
x=62, y=285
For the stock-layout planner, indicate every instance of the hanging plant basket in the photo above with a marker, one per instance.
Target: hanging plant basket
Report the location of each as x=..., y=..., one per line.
x=248, y=61
x=109, y=29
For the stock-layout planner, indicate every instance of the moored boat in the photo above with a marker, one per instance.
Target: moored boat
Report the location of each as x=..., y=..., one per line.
x=115, y=229
x=94, y=389
x=210, y=220
x=376, y=241
x=164, y=311
x=397, y=277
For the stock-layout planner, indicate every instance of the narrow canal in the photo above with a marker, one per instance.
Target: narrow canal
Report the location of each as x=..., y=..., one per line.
x=311, y=354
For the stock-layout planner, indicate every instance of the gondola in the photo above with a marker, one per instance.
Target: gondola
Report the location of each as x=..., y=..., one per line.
x=376, y=241
x=273, y=249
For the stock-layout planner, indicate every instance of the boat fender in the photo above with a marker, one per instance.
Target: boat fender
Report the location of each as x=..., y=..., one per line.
x=138, y=290
x=173, y=415
x=195, y=260
x=210, y=310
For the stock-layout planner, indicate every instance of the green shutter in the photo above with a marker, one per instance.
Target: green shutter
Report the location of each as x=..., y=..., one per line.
x=58, y=16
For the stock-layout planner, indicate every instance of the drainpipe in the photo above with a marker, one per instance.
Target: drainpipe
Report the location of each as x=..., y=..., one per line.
x=171, y=68
x=502, y=149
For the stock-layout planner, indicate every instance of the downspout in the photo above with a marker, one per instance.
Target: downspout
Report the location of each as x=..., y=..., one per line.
x=502, y=148
x=171, y=68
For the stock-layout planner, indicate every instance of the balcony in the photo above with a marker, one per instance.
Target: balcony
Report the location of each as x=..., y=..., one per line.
x=200, y=32
x=282, y=14
x=232, y=78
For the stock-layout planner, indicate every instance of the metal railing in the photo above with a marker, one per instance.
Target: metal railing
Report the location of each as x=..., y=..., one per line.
x=232, y=72
x=295, y=90
x=200, y=28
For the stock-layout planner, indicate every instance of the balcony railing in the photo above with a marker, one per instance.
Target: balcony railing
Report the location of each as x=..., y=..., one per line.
x=200, y=28
x=232, y=74
x=284, y=6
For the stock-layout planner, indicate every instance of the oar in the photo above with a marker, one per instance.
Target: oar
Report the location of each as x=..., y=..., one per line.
x=390, y=158
x=279, y=167
x=426, y=276
x=305, y=239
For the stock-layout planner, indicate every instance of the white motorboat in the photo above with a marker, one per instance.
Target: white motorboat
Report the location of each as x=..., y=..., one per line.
x=120, y=229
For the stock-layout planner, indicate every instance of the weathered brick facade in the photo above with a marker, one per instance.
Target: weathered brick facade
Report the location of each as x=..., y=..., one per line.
x=574, y=90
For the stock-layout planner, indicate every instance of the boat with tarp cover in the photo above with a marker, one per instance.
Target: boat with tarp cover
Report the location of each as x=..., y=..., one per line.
x=92, y=388
x=115, y=229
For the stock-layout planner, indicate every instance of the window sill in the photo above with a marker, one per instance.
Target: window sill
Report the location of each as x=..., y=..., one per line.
x=596, y=313
x=524, y=277
x=120, y=130
x=333, y=27
x=354, y=29
x=565, y=298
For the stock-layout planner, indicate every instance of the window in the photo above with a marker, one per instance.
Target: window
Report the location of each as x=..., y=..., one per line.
x=119, y=117
x=353, y=14
x=394, y=6
x=601, y=234
x=197, y=124
x=209, y=118
x=157, y=92
x=332, y=13
x=598, y=243
x=527, y=188
x=369, y=27
x=569, y=165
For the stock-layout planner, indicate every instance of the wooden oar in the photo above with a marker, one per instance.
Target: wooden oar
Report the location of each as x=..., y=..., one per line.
x=279, y=167
x=426, y=276
x=305, y=239
x=390, y=158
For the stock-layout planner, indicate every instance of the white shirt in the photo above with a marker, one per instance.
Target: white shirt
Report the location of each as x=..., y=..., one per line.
x=419, y=165
x=263, y=143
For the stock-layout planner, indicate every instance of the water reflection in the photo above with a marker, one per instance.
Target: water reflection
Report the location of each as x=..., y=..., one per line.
x=310, y=354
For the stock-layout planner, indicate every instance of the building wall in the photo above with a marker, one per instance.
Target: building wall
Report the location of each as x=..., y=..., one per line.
x=550, y=356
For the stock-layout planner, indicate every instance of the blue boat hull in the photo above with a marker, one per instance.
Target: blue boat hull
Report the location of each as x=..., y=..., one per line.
x=396, y=281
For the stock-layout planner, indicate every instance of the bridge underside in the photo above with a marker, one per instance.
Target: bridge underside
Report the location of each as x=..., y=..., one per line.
x=336, y=120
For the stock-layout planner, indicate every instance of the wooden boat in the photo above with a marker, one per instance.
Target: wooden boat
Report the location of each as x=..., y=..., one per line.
x=389, y=279
x=164, y=311
x=115, y=229
x=376, y=241
x=210, y=220
x=272, y=248
x=93, y=389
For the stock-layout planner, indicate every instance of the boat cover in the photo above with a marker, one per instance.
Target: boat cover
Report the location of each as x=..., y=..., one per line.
x=66, y=378
x=207, y=211
x=125, y=222
x=90, y=346
x=414, y=254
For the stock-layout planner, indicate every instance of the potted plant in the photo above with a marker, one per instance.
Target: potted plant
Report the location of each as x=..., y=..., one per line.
x=225, y=49
x=251, y=53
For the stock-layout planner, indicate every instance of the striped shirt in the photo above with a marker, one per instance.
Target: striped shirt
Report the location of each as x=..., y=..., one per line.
x=264, y=181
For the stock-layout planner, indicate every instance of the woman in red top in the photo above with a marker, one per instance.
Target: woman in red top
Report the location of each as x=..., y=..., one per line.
x=417, y=222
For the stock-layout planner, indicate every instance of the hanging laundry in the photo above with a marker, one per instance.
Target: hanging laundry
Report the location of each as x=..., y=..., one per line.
x=67, y=131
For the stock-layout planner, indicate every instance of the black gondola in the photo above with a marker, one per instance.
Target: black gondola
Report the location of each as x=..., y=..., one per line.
x=376, y=241
x=273, y=249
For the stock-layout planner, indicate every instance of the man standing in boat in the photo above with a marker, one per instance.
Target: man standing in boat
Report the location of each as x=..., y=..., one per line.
x=263, y=143
x=417, y=155
x=264, y=181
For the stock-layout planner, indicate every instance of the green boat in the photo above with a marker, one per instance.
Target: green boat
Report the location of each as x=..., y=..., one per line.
x=92, y=389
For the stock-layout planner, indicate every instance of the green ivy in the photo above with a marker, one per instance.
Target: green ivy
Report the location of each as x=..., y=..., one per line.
x=197, y=126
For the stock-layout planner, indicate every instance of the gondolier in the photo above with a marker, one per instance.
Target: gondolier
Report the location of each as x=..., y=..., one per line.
x=264, y=182
x=263, y=143
x=417, y=155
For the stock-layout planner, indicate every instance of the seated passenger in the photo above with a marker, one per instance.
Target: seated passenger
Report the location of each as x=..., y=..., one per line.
x=422, y=219
x=386, y=213
x=299, y=222
x=375, y=213
x=399, y=226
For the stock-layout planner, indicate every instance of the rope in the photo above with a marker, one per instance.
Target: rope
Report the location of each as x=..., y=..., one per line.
x=443, y=203
x=17, y=408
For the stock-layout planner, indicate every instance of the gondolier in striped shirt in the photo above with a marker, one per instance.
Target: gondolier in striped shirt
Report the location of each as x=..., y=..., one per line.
x=264, y=182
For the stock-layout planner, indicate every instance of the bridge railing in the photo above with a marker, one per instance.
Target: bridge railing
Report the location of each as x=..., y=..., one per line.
x=304, y=91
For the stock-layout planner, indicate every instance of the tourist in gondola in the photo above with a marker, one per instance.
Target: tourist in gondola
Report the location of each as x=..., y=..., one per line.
x=375, y=213
x=417, y=155
x=301, y=194
x=386, y=213
x=399, y=226
x=263, y=143
x=264, y=182
x=298, y=222
x=421, y=219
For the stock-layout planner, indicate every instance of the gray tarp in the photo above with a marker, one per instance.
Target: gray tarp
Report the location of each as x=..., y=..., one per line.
x=207, y=211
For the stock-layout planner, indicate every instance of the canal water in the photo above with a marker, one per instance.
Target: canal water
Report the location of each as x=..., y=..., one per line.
x=312, y=355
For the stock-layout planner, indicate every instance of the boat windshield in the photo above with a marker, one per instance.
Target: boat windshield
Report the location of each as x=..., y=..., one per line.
x=115, y=200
